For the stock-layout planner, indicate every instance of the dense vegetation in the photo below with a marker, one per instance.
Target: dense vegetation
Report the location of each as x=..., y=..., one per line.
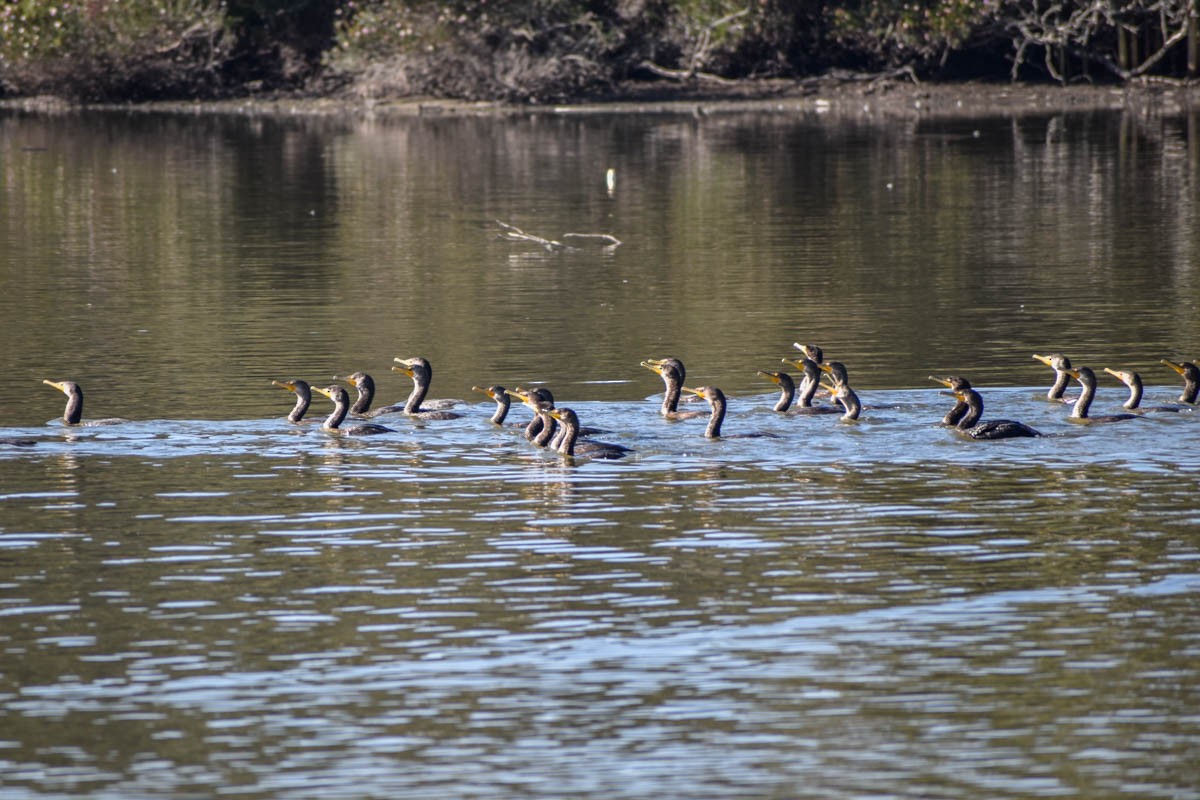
x=551, y=50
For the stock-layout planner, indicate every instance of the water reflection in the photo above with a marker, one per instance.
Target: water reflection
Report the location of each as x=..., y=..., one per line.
x=210, y=599
x=281, y=245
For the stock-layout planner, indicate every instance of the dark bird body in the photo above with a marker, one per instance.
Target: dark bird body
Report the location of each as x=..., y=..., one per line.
x=1061, y=366
x=969, y=409
x=1087, y=379
x=1134, y=382
x=503, y=401
x=717, y=403
x=341, y=407
x=421, y=372
x=808, y=386
x=842, y=391
x=672, y=372
x=571, y=445
x=364, y=385
x=73, y=413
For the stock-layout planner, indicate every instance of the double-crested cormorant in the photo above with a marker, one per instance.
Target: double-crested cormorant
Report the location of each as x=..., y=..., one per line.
x=955, y=383
x=421, y=373
x=73, y=414
x=808, y=386
x=1087, y=379
x=571, y=445
x=969, y=409
x=542, y=427
x=303, y=398
x=841, y=389
x=716, y=400
x=1061, y=366
x=500, y=395
x=1191, y=379
x=1134, y=382
x=341, y=407
x=787, y=389
x=672, y=372
x=543, y=430
x=811, y=351
x=365, y=385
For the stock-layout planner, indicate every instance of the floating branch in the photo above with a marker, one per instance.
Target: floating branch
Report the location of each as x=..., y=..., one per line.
x=512, y=233
x=607, y=238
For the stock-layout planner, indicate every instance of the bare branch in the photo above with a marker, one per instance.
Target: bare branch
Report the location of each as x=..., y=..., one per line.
x=512, y=233
x=604, y=237
x=683, y=74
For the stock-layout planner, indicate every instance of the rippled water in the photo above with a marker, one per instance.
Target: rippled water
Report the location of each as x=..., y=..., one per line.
x=210, y=601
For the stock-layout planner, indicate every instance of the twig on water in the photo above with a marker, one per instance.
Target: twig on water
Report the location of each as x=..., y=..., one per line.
x=512, y=233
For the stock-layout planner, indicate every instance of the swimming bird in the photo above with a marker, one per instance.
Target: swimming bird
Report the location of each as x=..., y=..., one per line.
x=808, y=387
x=672, y=372
x=365, y=386
x=1061, y=366
x=968, y=423
x=73, y=413
x=1134, y=382
x=716, y=401
x=421, y=372
x=841, y=390
x=572, y=445
x=787, y=389
x=1191, y=379
x=341, y=407
x=303, y=398
x=503, y=401
x=954, y=382
x=541, y=429
x=1087, y=379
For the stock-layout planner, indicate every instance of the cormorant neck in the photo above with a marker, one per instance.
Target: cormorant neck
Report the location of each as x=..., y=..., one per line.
x=1060, y=385
x=973, y=411
x=1135, y=393
x=1080, y=411
x=849, y=401
x=810, y=384
x=955, y=415
x=502, y=405
x=366, y=393
x=787, y=391
x=73, y=414
x=570, y=432
x=419, y=390
x=713, y=431
x=549, y=427
x=1191, y=387
x=339, y=413
x=299, y=409
x=671, y=382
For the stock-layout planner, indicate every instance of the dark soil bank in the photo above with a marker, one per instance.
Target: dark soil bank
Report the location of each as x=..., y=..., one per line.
x=879, y=98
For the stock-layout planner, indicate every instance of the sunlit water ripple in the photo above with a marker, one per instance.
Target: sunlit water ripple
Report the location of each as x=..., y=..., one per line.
x=209, y=601
x=813, y=613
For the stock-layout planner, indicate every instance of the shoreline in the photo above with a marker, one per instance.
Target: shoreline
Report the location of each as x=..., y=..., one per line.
x=864, y=99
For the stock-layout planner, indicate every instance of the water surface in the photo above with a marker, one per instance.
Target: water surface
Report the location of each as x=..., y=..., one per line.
x=210, y=601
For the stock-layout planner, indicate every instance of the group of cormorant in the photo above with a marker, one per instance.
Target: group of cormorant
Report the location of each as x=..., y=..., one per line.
x=417, y=368
x=559, y=428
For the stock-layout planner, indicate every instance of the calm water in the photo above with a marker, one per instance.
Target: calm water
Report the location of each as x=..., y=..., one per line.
x=209, y=601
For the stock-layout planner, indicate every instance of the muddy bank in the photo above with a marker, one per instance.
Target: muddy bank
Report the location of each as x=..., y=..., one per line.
x=843, y=98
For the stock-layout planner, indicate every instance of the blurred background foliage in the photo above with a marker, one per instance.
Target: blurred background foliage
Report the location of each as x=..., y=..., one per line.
x=556, y=50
